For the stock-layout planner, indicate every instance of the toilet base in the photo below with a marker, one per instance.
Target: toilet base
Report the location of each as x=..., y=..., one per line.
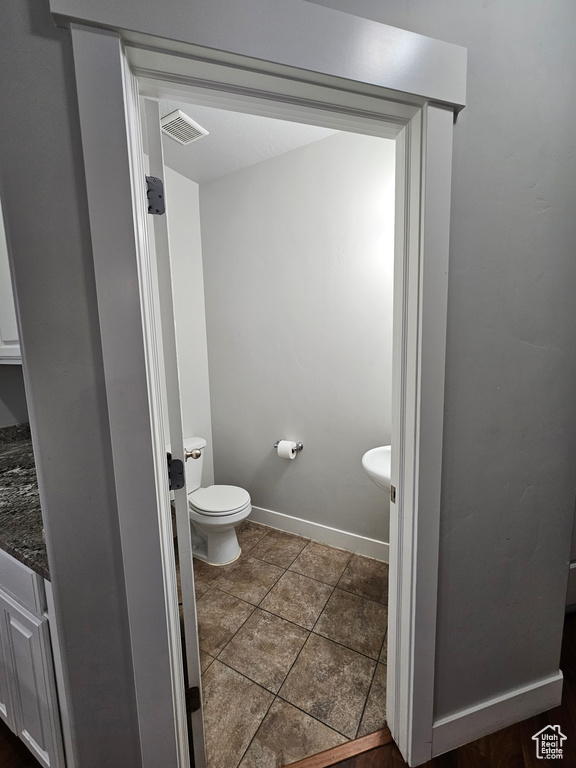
x=215, y=548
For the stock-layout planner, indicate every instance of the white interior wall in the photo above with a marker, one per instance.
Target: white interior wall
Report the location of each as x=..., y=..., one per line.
x=298, y=259
x=182, y=197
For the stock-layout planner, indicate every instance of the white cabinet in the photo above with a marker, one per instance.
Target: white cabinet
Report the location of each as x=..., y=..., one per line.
x=9, y=342
x=6, y=706
x=28, y=697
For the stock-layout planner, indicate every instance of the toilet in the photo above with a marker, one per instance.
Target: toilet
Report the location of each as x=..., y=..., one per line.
x=214, y=511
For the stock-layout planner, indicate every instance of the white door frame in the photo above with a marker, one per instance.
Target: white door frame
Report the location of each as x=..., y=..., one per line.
x=423, y=128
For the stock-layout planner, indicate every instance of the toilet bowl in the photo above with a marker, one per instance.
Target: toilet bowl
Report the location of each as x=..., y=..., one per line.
x=214, y=511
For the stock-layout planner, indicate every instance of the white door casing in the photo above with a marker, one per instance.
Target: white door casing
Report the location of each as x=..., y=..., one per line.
x=424, y=138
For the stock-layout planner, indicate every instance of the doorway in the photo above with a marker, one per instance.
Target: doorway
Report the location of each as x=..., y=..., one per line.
x=423, y=140
x=295, y=253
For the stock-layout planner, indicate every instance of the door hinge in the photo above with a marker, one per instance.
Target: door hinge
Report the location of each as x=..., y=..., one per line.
x=175, y=473
x=393, y=494
x=155, y=194
x=193, y=699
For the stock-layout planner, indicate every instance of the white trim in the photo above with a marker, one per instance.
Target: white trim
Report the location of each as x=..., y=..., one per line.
x=124, y=292
x=496, y=713
x=161, y=75
x=423, y=173
x=294, y=35
x=360, y=545
x=65, y=717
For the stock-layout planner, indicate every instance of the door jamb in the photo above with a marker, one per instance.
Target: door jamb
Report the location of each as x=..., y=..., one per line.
x=423, y=178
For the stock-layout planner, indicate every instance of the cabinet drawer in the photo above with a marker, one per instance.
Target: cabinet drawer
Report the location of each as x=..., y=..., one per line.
x=22, y=583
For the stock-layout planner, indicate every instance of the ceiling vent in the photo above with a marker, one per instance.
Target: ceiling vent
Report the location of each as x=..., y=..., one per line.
x=182, y=128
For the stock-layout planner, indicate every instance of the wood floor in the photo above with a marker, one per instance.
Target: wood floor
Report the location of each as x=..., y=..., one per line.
x=510, y=748
x=13, y=753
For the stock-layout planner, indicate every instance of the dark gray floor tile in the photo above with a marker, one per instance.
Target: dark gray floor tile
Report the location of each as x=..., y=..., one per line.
x=287, y=735
x=330, y=683
x=367, y=578
x=200, y=587
x=279, y=548
x=321, y=562
x=220, y=615
x=355, y=622
x=374, y=717
x=384, y=652
x=250, y=580
x=264, y=649
x=205, y=661
x=297, y=598
x=206, y=573
x=249, y=534
x=234, y=707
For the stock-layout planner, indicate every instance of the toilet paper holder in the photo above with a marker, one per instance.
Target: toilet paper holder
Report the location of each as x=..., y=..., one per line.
x=298, y=447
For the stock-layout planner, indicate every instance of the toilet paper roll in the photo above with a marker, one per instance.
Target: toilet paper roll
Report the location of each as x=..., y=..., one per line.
x=286, y=449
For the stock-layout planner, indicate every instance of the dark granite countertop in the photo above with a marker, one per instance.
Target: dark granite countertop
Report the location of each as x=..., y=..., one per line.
x=20, y=515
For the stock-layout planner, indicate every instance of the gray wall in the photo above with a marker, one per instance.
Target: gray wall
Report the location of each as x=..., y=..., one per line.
x=510, y=409
x=298, y=261
x=43, y=193
x=13, y=408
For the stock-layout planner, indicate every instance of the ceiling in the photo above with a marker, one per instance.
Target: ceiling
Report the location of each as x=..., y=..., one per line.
x=236, y=140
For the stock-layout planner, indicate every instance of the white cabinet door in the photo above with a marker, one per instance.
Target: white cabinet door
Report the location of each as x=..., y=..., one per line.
x=6, y=705
x=9, y=343
x=26, y=648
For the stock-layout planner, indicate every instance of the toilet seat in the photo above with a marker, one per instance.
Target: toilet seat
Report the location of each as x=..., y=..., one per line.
x=219, y=500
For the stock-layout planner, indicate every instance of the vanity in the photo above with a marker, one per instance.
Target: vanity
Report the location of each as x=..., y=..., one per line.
x=30, y=670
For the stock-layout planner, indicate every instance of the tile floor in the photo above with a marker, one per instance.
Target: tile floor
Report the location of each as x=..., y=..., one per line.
x=293, y=649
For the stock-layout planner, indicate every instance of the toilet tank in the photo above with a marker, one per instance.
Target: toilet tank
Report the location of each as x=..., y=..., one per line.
x=194, y=466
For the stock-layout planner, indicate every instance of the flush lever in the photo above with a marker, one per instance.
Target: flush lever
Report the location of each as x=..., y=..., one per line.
x=193, y=454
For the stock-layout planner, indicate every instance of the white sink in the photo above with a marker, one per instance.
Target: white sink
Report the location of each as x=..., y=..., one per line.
x=376, y=464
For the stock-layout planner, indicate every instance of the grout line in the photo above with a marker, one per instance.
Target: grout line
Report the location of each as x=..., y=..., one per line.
x=242, y=674
x=282, y=618
x=323, y=609
x=269, y=590
x=382, y=646
x=342, y=645
x=356, y=594
x=349, y=738
x=306, y=576
x=238, y=630
x=257, y=730
x=366, y=699
x=294, y=662
x=276, y=696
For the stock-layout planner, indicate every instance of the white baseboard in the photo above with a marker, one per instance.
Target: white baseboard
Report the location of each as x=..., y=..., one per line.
x=489, y=716
x=360, y=545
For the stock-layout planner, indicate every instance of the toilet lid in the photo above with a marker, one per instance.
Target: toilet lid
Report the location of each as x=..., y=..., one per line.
x=219, y=499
